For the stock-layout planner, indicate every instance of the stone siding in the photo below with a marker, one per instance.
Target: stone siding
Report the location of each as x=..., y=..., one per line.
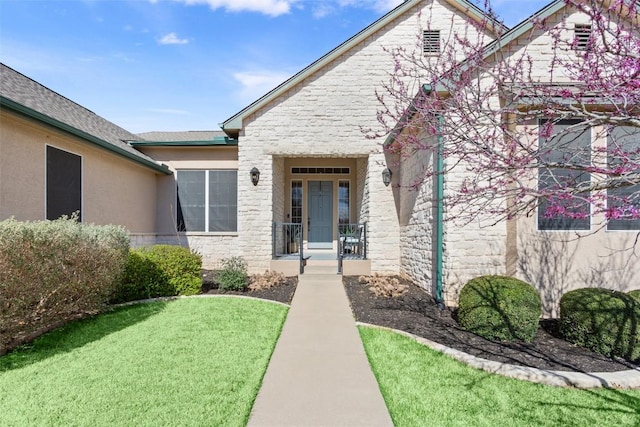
x=212, y=247
x=323, y=116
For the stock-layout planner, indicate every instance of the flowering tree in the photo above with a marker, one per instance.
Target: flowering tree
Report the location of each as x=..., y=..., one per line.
x=549, y=120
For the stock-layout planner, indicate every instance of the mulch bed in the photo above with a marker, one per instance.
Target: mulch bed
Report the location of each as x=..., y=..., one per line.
x=283, y=293
x=416, y=312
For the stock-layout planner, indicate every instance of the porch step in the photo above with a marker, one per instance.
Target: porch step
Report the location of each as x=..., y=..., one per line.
x=321, y=267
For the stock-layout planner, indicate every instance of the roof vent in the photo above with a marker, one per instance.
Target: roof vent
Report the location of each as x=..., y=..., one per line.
x=431, y=42
x=582, y=36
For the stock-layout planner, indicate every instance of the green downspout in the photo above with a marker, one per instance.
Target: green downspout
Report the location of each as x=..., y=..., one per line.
x=439, y=215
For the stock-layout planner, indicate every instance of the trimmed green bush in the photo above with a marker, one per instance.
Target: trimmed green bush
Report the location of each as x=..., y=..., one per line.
x=602, y=320
x=182, y=265
x=635, y=294
x=142, y=279
x=233, y=275
x=55, y=271
x=160, y=270
x=500, y=308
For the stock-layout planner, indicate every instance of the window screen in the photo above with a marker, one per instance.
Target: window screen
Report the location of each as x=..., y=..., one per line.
x=223, y=200
x=571, y=148
x=64, y=183
x=207, y=200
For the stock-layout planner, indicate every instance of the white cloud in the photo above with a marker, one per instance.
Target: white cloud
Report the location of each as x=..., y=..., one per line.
x=267, y=7
x=381, y=6
x=327, y=7
x=172, y=38
x=257, y=83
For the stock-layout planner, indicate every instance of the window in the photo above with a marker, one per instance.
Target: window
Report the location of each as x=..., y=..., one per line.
x=64, y=184
x=343, y=202
x=626, y=139
x=431, y=42
x=296, y=202
x=582, y=36
x=572, y=148
x=207, y=200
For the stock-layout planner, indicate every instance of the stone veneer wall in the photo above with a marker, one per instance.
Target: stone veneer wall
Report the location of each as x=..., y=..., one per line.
x=212, y=247
x=322, y=117
x=415, y=195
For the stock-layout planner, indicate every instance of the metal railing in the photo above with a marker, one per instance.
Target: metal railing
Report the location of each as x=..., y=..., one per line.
x=352, y=242
x=287, y=242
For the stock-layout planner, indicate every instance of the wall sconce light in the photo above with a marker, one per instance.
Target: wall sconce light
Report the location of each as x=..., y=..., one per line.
x=386, y=177
x=255, y=176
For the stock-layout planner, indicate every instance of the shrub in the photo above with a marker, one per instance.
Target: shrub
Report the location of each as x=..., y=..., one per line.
x=635, y=294
x=266, y=280
x=233, y=275
x=605, y=321
x=55, y=271
x=384, y=286
x=142, y=279
x=500, y=308
x=182, y=266
x=158, y=271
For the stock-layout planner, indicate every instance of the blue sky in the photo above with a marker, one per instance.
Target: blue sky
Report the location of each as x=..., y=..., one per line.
x=181, y=64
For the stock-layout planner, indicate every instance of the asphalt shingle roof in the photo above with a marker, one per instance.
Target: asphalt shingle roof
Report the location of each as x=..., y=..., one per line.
x=26, y=92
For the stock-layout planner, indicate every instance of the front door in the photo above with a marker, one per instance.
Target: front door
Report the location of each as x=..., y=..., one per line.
x=320, y=221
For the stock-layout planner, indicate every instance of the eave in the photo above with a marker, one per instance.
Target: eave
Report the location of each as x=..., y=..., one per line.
x=218, y=141
x=234, y=124
x=33, y=114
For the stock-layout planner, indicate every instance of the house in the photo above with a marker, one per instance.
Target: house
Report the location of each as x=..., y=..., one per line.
x=57, y=157
x=295, y=166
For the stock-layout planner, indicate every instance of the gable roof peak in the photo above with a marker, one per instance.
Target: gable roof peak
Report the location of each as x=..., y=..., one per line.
x=235, y=123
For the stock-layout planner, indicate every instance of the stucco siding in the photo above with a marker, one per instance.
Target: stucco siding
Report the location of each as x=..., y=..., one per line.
x=213, y=246
x=114, y=190
x=556, y=262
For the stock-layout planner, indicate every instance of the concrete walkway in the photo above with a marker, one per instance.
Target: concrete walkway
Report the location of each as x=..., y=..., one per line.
x=319, y=374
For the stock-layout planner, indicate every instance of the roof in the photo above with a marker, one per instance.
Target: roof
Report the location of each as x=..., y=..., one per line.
x=233, y=124
x=184, y=139
x=513, y=34
x=29, y=98
x=523, y=27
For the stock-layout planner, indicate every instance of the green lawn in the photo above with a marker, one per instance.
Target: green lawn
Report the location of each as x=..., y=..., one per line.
x=188, y=362
x=425, y=388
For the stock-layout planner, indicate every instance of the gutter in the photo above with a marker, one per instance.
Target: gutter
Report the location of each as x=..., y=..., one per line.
x=26, y=111
x=218, y=141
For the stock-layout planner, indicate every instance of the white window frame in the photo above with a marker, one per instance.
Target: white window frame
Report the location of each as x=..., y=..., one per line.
x=207, y=205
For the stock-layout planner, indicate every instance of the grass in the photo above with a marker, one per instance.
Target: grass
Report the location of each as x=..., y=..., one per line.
x=424, y=387
x=187, y=362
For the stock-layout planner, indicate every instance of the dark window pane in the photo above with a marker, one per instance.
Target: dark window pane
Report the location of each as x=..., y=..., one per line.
x=571, y=148
x=343, y=202
x=296, y=202
x=624, y=140
x=64, y=183
x=223, y=201
x=191, y=200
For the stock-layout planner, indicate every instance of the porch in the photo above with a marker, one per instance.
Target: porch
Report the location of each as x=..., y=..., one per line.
x=319, y=213
x=291, y=253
